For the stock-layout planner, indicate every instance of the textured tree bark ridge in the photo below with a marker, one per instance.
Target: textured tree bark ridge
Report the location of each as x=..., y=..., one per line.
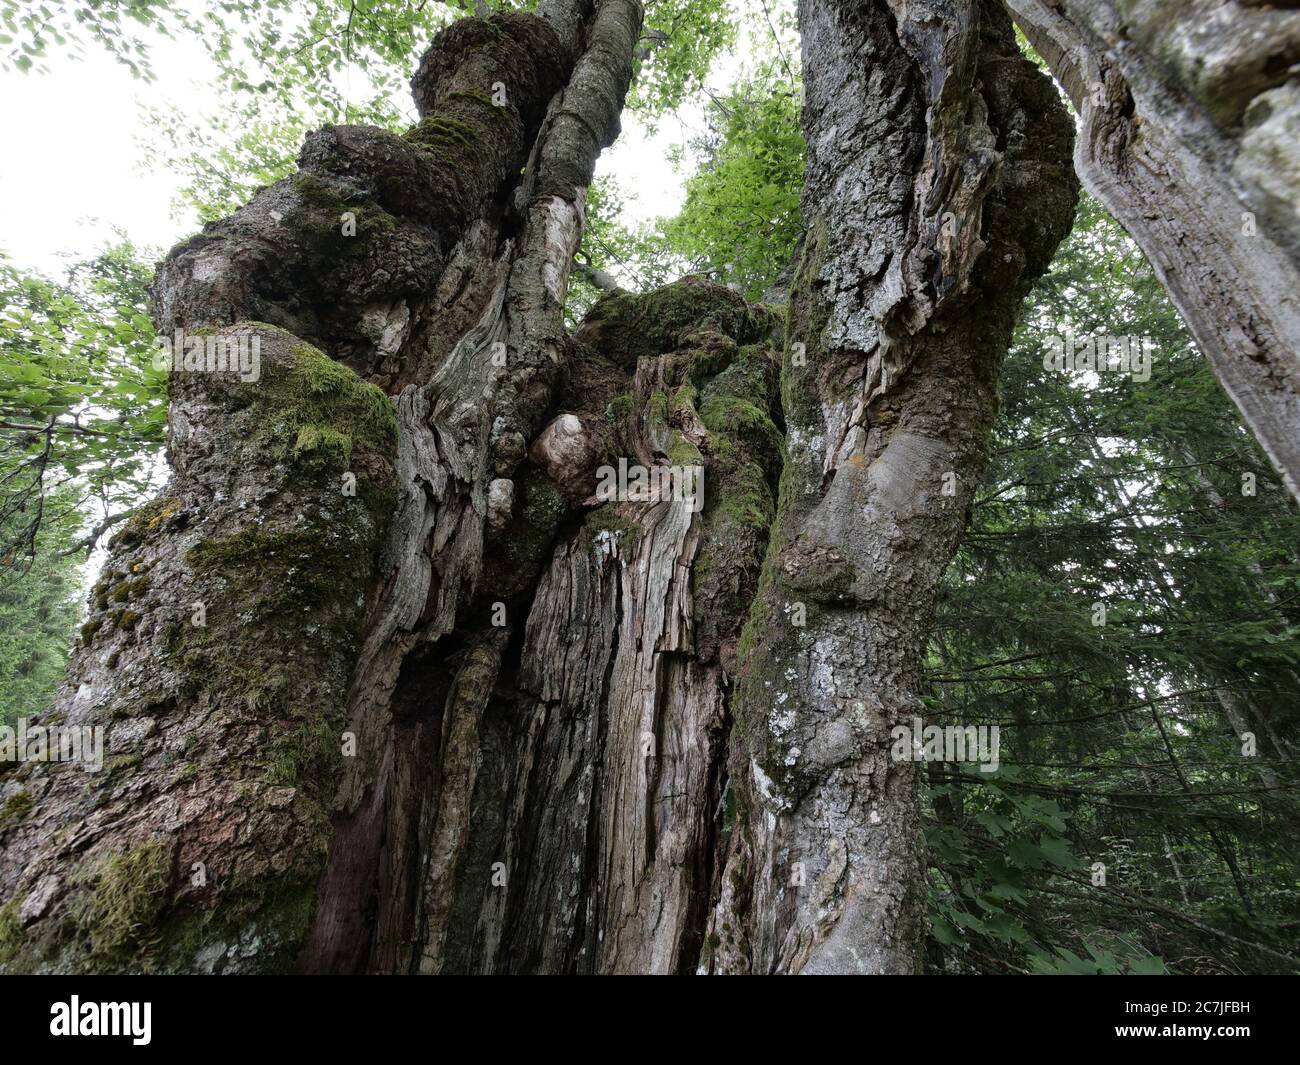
x=938, y=186
x=200, y=841
x=453, y=710
x=590, y=763
x=1191, y=137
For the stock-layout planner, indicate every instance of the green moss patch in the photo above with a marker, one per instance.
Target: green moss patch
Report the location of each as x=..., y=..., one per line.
x=11, y=929
x=306, y=754
x=125, y=893
x=627, y=325
x=146, y=521
x=318, y=411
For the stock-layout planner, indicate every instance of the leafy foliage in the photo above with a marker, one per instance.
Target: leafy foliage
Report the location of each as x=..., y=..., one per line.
x=740, y=223
x=679, y=41
x=30, y=29
x=82, y=410
x=741, y=218
x=39, y=610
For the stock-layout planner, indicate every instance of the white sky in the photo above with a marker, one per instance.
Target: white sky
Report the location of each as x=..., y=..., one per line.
x=76, y=173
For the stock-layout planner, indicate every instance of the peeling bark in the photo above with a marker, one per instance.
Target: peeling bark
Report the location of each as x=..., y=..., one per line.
x=587, y=811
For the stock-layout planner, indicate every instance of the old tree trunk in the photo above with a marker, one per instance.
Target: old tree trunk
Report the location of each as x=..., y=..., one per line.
x=389, y=688
x=938, y=186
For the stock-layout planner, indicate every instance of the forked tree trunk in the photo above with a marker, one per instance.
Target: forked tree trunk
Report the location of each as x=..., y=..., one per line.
x=449, y=710
x=1190, y=136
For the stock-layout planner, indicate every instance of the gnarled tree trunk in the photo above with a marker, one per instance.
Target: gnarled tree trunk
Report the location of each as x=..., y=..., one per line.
x=1190, y=136
x=450, y=709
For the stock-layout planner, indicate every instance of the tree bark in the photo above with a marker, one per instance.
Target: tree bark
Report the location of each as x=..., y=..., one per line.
x=938, y=186
x=1189, y=115
x=473, y=716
